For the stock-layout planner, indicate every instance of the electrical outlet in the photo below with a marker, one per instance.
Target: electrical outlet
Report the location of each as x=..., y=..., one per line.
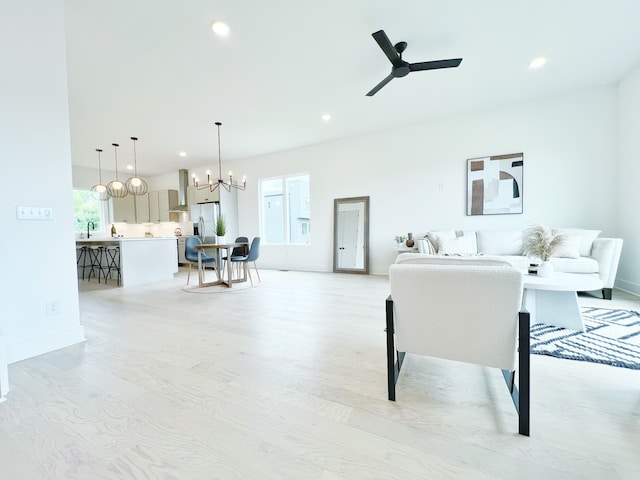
x=53, y=307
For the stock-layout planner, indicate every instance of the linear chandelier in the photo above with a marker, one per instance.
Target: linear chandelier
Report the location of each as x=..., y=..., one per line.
x=211, y=184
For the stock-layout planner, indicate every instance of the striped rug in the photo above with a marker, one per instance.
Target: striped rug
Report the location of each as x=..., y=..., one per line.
x=612, y=337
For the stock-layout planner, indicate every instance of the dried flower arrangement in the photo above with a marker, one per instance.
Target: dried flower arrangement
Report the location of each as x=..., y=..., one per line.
x=540, y=242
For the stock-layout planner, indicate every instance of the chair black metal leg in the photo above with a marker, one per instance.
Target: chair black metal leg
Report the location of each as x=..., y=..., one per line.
x=391, y=381
x=524, y=373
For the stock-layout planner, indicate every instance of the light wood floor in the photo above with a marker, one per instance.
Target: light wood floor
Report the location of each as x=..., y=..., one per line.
x=287, y=381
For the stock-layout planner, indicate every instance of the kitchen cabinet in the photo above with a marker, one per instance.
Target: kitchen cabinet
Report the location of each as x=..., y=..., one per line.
x=160, y=203
x=202, y=196
x=142, y=209
x=123, y=210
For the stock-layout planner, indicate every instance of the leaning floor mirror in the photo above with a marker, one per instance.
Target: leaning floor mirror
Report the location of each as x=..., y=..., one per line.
x=351, y=235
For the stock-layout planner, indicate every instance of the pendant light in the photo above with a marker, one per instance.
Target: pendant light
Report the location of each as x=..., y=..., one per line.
x=136, y=185
x=116, y=188
x=99, y=191
x=211, y=184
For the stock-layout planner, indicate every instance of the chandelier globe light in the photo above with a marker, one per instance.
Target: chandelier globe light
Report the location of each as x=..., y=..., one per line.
x=136, y=185
x=99, y=190
x=116, y=188
x=213, y=184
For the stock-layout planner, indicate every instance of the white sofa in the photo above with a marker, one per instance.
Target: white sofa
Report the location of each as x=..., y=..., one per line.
x=586, y=253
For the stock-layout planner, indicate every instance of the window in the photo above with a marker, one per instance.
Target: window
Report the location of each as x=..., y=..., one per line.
x=286, y=210
x=87, y=209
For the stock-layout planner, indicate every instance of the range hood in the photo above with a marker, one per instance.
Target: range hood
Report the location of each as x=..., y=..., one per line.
x=183, y=185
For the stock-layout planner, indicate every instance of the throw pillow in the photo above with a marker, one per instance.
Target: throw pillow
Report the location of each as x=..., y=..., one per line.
x=571, y=247
x=436, y=236
x=588, y=237
x=464, y=245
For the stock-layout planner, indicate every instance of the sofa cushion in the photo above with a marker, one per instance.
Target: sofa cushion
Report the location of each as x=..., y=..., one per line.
x=463, y=245
x=587, y=238
x=500, y=242
x=575, y=265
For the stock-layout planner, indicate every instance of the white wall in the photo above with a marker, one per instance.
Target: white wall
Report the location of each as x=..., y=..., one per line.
x=628, y=204
x=416, y=176
x=38, y=257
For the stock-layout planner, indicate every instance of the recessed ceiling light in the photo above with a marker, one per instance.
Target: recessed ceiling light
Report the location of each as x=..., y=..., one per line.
x=537, y=62
x=183, y=154
x=220, y=28
x=326, y=117
x=129, y=167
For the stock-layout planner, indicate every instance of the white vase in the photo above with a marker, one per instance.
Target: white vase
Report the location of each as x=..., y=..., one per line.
x=545, y=269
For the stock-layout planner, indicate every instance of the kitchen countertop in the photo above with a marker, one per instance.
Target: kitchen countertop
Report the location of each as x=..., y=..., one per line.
x=121, y=239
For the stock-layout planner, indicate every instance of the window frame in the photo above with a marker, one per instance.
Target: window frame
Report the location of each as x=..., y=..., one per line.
x=104, y=214
x=286, y=220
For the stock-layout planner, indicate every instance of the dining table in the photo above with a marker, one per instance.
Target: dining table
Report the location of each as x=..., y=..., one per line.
x=220, y=248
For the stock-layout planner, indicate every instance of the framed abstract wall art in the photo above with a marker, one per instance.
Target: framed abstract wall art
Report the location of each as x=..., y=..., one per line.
x=494, y=184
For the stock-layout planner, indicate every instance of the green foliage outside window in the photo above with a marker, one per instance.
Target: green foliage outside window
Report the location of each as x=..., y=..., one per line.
x=86, y=209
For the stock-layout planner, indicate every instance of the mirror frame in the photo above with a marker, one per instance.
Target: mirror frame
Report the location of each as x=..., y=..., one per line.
x=336, y=204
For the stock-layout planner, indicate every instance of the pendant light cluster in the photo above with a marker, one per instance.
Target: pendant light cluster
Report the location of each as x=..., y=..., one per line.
x=115, y=188
x=213, y=184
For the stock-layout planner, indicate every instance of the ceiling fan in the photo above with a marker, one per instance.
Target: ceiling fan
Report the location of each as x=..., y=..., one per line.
x=400, y=68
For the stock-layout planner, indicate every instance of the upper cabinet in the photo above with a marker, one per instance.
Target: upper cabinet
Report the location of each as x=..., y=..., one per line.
x=142, y=208
x=147, y=208
x=123, y=210
x=202, y=196
x=160, y=203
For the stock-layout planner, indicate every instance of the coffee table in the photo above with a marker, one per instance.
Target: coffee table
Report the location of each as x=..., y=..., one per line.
x=554, y=299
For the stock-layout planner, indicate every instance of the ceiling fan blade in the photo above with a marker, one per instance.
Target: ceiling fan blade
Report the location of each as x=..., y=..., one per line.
x=375, y=89
x=385, y=44
x=453, y=62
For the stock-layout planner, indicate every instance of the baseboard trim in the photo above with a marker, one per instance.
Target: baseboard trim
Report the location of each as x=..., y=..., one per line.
x=32, y=347
x=629, y=287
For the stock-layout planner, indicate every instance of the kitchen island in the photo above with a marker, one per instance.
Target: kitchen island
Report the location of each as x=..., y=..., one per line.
x=143, y=260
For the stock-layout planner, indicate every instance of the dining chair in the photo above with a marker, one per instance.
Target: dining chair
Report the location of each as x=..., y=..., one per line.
x=237, y=252
x=191, y=254
x=252, y=256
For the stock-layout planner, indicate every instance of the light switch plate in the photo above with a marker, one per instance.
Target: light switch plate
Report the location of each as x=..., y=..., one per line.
x=34, y=213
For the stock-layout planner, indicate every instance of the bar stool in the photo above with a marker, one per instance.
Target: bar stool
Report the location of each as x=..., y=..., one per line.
x=96, y=253
x=83, y=260
x=113, y=262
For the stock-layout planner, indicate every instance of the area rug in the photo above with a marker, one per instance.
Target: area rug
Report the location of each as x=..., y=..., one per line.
x=237, y=287
x=612, y=337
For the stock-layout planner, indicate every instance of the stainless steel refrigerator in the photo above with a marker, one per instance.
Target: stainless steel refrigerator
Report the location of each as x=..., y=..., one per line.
x=205, y=216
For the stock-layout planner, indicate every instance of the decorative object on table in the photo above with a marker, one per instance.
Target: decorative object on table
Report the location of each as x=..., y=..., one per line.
x=399, y=240
x=221, y=228
x=410, y=242
x=211, y=184
x=400, y=68
x=494, y=184
x=611, y=337
x=116, y=188
x=99, y=190
x=540, y=242
x=136, y=185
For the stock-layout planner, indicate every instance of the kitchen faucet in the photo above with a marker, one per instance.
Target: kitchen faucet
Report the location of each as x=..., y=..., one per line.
x=93, y=227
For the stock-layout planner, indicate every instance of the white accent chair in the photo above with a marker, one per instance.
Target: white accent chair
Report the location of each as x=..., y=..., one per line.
x=465, y=310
